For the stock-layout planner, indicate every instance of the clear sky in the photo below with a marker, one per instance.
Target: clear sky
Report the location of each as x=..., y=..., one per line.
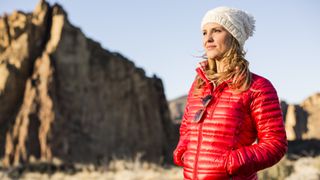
x=163, y=37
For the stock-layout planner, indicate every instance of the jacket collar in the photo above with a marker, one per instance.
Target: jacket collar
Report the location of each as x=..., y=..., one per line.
x=201, y=71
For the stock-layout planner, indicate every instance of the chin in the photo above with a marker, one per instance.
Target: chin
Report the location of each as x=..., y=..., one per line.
x=213, y=56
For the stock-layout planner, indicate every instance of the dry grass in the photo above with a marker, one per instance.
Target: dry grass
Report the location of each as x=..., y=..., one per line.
x=116, y=170
x=305, y=168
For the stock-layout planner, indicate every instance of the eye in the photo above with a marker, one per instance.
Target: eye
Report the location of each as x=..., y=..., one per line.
x=204, y=33
x=216, y=30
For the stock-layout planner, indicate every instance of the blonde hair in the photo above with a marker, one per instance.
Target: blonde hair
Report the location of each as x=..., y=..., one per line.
x=236, y=70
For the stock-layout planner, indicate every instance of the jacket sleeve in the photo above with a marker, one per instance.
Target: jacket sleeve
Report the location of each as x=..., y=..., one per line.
x=184, y=133
x=271, y=136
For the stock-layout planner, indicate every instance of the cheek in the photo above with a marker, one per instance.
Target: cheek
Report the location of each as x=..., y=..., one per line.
x=228, y=41
x=203, y=42
x=224, y=44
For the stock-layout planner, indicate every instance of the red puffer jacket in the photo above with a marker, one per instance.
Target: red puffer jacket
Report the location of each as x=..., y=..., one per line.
x=239, y=133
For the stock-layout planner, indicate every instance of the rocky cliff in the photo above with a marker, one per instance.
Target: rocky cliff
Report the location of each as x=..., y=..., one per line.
x=176, y=107
x=62, y=95
x=303, y=120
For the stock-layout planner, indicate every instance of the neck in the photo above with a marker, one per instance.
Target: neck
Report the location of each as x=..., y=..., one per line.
x=219, y=65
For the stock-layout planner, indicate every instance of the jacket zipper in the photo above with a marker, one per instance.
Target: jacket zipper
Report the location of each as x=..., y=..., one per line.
x=199, y=144
x=195, y=172
x=198, y=151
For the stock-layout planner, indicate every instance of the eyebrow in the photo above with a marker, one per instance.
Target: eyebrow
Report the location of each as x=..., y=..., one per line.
x=214, y=28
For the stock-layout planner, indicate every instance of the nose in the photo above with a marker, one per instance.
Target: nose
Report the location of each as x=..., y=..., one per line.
x=209, y=38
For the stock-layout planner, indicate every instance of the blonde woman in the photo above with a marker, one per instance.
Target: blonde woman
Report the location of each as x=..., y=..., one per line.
x=232, y=125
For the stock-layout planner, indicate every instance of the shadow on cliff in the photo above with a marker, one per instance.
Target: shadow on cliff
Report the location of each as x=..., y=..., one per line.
x=78, y=102
x=303, y=148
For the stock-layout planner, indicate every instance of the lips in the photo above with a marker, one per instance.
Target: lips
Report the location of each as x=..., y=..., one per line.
x=210, y=47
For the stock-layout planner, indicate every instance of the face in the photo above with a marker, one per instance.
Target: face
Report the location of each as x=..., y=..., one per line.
x=216, y=40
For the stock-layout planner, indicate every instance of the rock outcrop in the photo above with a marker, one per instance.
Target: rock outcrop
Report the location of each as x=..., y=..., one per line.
x=296, y=121
x=62, y=95
x=302, y=121
x=312, y=108
x=176, y=107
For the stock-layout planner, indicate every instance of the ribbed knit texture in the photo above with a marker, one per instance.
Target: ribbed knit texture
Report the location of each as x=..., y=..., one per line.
x=239, y=23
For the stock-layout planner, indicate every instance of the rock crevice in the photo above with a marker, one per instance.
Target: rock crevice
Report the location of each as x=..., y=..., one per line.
x=67, y=97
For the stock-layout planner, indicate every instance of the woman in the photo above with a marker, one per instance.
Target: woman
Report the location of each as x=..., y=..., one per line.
x=232, y=125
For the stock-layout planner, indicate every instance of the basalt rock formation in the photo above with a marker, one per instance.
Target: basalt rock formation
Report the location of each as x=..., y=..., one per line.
x=303, y=121
x=176, y=107
x=62, y=95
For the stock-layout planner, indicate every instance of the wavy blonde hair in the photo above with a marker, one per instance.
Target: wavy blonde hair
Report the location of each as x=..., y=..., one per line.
x=236, y=69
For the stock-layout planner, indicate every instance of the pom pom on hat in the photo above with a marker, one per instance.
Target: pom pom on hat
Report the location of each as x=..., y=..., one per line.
x=239, y=23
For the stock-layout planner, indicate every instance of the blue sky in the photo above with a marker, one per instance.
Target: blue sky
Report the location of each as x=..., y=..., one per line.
x=164, y=38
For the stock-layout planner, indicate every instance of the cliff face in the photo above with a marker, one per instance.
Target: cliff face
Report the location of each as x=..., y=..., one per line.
x=303, y=121
x=63, y=95
x=312, y=107
x=176, y=107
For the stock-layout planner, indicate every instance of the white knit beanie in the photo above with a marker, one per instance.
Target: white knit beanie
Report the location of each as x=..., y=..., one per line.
x=239, y=23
